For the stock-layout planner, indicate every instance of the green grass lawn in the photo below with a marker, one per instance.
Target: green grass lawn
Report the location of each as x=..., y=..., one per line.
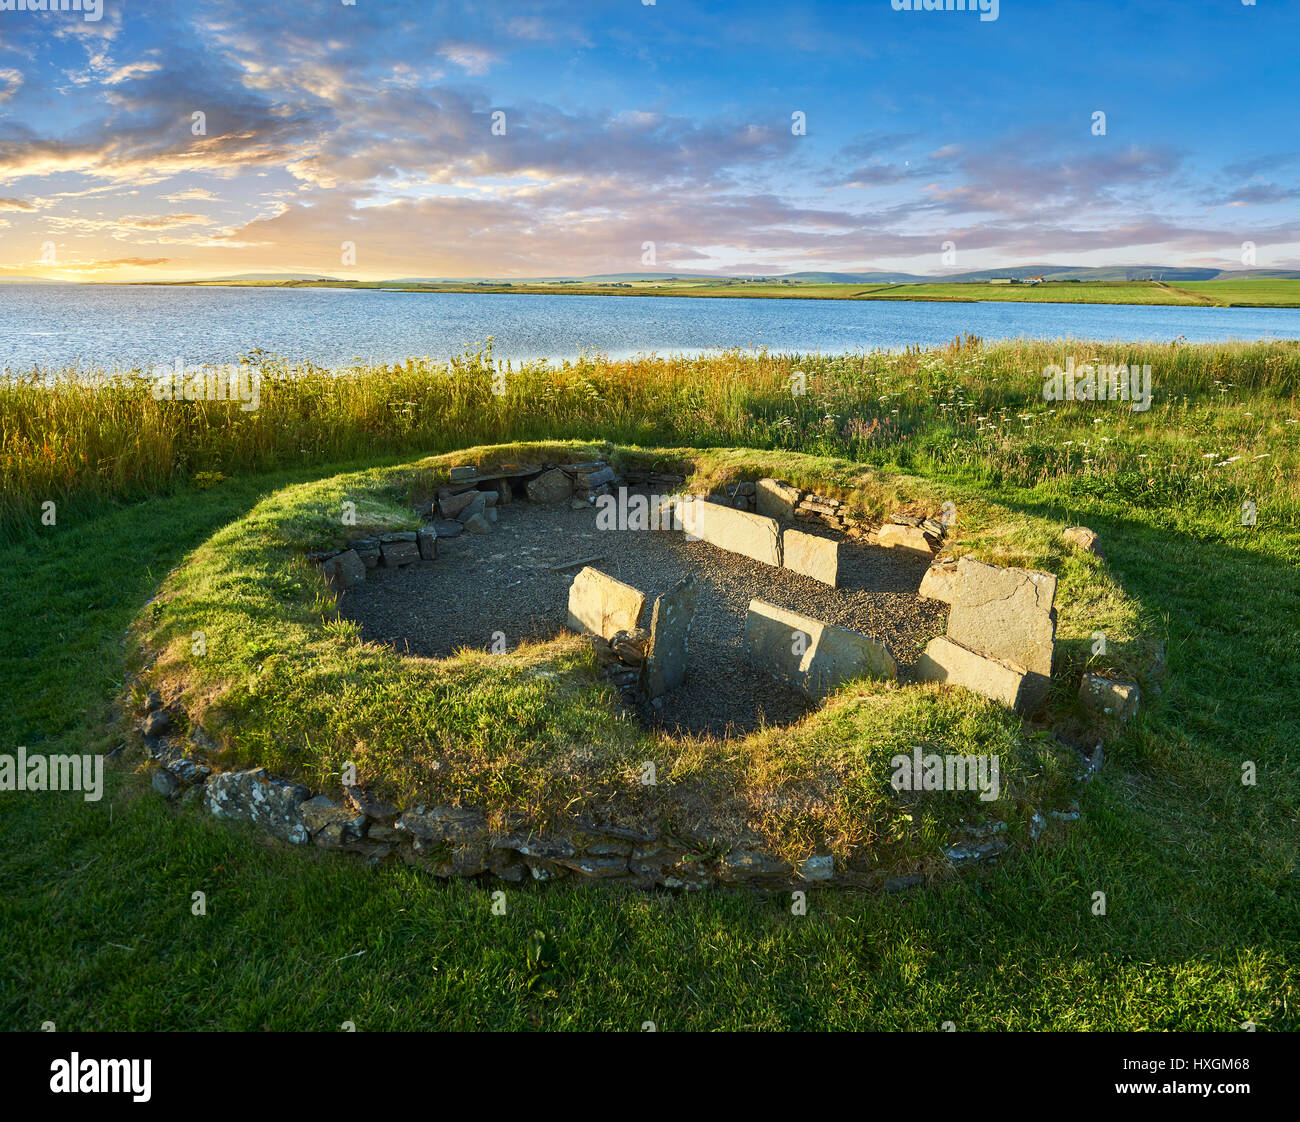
x=1200, y=871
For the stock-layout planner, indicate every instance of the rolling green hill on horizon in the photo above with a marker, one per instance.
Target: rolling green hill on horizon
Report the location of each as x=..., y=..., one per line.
x=1234, y=291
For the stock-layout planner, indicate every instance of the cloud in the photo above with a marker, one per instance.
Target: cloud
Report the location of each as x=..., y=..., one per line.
x=165, y=221
x=1260, y=194
x=880, y=175
x=131, y=262
x=130, y=70
x=107, y=265
x=195, y=194
x=10, y=82
x=1257, y=165
x=471, y=59
x=15, y=204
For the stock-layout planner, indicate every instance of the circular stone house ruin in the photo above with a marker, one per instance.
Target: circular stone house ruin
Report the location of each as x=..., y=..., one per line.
x=709, y=615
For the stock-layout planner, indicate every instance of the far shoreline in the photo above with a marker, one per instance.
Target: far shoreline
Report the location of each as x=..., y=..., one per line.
x=1267, y=293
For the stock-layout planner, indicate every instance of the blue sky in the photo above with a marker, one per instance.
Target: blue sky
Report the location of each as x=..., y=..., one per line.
x=370, y=125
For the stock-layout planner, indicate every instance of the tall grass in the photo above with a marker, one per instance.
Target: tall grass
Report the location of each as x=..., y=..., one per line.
x=970, y=410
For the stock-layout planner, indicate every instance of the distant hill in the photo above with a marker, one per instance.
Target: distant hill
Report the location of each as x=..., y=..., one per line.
x=1104, y=273
x=276, y=277
x=1109, y=273
x=595, y=278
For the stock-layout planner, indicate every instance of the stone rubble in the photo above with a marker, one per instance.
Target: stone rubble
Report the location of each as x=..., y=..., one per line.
x=1109, y=698
x=786, y=503
x=1082, y=537
x=469, y=504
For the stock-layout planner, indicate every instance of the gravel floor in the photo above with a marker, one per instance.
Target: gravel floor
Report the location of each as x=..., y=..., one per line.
x=484, y=584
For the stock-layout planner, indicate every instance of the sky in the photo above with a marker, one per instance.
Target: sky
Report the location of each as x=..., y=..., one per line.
x=385, y=140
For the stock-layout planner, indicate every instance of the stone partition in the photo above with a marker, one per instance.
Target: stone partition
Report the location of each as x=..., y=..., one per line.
x=670, y=627
x=737, y=531
x=1007, y=613
x=812, y=556
x=939, y=581
x=949, y=662
x=603, y=606
x=1001, y=635
x=812, y=656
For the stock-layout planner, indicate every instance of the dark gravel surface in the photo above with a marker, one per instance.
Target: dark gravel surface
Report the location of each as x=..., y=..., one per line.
x=484, y=584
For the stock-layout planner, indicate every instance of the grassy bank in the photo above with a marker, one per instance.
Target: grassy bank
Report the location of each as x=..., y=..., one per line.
x=1200, y=871
x=1224, y=426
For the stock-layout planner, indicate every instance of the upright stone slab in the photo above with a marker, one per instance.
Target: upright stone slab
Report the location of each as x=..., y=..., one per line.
x=812, y=656
x=673, y=513
x=602, y=605
x=776, y=499
x=343, y=570
x=1006, y=613
x=951, y=663
x=812, y=556
x=453, y=505
x=737, y=531
x=670, y=625
x=550, y=487
x=911, y=538
x=426, y=540
x=938, y=583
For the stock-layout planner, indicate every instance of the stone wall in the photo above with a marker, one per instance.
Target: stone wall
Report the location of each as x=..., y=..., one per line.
x=469, y=503
x=457, y=841
x=453, y=841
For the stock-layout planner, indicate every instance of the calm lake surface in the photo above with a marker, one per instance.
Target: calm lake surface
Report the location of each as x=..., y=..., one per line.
x=127, y=326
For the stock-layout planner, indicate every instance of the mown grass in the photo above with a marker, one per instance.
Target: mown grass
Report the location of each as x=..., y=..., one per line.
x=1200, y=871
